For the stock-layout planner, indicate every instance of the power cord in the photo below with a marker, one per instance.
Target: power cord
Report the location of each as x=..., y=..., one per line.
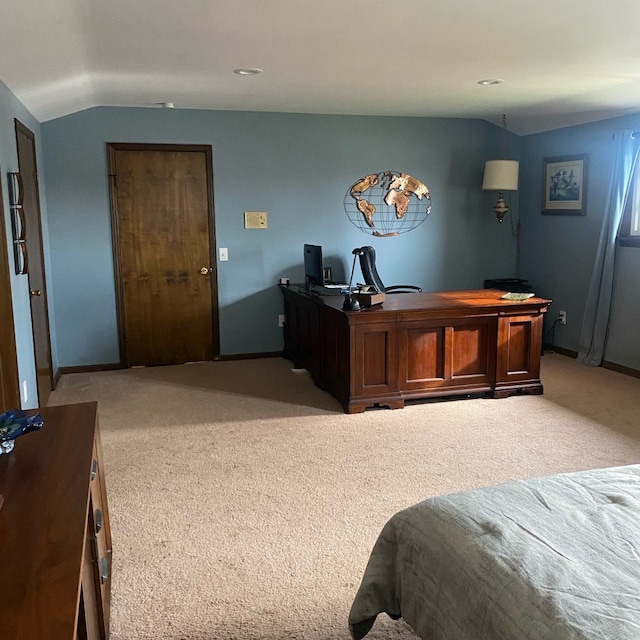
x=548, y=345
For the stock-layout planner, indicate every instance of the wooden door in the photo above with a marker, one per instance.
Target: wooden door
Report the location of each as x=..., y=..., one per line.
x=37, y=285
x=162, y=208
x=9, y=389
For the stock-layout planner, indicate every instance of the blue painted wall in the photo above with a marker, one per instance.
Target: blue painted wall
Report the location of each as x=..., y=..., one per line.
x=558, y=251
x=297, y=168
x=10, y=109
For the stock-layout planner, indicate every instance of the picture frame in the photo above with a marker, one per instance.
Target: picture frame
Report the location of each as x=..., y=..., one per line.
x=564, y=185
x=18, y=223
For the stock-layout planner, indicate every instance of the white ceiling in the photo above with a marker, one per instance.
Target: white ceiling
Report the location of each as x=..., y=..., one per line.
x=563, y=63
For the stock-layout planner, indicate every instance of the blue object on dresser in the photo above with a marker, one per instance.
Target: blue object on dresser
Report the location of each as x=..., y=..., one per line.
x=16, y=423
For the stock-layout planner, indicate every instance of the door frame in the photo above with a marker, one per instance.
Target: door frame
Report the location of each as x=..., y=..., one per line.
x=27, y=133
x=9, y=383
x=112, y=148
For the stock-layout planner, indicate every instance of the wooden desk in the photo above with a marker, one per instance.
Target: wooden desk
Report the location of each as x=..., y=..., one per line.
x=54, y=531
x=416, y=345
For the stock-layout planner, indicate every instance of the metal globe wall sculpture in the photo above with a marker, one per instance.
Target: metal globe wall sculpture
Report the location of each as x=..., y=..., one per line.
x=387, y=204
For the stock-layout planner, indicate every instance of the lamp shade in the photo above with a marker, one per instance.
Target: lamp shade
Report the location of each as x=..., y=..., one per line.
x=500, y=175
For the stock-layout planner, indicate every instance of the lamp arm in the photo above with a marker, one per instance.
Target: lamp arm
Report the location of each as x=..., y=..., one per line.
x=353, y=268
x=350, y=303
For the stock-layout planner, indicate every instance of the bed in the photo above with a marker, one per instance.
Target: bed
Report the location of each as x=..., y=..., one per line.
x=554, y=558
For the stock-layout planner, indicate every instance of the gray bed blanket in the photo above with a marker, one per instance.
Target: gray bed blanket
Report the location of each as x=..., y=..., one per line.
x=554, y=558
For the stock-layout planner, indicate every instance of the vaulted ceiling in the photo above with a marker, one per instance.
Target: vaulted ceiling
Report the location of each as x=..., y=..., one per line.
x=562, y=63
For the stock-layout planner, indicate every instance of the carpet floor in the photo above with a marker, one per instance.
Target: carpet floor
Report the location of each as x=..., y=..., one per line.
x=244, y=503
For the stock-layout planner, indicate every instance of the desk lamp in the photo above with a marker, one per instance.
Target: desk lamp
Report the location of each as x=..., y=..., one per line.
x=350, y=303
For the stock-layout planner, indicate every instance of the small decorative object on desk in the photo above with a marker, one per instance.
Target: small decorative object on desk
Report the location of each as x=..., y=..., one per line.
x=368, y=296
x=16, y=423
x=518, y=296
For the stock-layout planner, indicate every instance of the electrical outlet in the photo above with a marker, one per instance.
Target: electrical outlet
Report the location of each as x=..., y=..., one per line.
x=562, y=317
x=281, y=320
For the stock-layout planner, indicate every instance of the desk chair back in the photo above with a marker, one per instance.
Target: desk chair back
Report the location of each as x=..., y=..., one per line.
x=372, y=278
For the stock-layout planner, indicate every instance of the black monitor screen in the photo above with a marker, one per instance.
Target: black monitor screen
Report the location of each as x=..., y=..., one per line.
x=313, y=265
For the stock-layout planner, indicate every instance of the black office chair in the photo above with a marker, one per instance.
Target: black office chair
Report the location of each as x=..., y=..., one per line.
x=367, y=257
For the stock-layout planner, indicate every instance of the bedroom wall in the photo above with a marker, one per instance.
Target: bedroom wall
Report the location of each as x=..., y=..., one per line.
x=11, y=108
x=558, y=251
x=297, y=168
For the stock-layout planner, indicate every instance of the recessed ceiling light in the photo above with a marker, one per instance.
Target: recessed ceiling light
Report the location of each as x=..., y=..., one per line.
x=167, y=105
x=247, y=71
x=490, y=81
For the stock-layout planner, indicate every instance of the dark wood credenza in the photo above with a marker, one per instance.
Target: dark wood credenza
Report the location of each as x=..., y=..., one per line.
x=55, y=570
x=416, y=345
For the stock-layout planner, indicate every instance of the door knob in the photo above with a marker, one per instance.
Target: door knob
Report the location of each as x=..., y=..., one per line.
x=35, y=292
x=205, y=270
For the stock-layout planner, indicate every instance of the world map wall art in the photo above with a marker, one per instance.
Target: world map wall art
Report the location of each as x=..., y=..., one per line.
x=388, y=203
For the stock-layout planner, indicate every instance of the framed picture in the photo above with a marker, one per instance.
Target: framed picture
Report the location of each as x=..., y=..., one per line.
x=564, y=186
x=18, y=223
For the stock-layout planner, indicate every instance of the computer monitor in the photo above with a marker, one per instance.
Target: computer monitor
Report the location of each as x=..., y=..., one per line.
x=313, y=266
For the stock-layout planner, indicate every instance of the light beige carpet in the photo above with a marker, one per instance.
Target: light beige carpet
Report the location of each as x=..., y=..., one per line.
x=244, y=503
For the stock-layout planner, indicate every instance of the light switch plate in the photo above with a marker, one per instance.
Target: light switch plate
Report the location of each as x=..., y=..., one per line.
x=255, y=220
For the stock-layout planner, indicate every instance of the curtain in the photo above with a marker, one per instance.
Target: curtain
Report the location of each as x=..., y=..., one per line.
x=595, y=323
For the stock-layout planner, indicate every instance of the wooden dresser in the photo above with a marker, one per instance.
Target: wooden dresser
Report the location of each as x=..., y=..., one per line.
x=416, y=345
x=55, y=539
